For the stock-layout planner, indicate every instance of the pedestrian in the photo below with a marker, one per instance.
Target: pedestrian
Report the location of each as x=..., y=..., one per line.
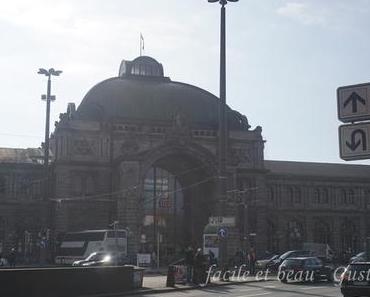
x=238, y=258
x=12, y=258
x=199, y=276
x=252, y=261
x=212, y=258
x=154, y=259
x=189, y=263
x=2, y=261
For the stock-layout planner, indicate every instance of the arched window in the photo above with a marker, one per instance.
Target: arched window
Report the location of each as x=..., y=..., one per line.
x=163, y=206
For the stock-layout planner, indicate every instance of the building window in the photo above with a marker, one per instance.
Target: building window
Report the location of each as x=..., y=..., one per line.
x=343, y=197
x=2, y=185
x=271, y=194
x=298, y=195
x=316, y=196
x=290, y=195
x=324, y=197
x=351, y=197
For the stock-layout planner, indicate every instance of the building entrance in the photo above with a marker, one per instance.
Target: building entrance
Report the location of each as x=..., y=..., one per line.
x=177, y=204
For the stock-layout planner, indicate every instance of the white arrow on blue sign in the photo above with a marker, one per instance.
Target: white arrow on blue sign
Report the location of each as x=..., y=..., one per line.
x=222, y=232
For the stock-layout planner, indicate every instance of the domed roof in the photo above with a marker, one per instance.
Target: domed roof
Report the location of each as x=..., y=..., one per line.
x=142, y=93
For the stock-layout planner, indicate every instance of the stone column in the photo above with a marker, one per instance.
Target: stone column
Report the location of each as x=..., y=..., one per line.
x=130, y=203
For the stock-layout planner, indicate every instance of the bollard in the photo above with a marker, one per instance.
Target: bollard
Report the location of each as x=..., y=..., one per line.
x=170, y=276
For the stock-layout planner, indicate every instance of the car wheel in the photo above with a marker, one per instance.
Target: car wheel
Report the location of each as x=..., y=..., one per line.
x=284, y=280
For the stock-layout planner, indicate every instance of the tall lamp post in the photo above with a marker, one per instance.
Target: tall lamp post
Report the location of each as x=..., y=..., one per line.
x=48, y=98
x=222, y=126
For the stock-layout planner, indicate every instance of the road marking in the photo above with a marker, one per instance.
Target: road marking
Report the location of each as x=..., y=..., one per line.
x=259, y=294
x=312, y=288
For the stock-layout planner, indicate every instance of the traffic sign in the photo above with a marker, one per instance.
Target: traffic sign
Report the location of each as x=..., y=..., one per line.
x=354, y=141
x=222, y=221
x=222, y=232
x=354, y=103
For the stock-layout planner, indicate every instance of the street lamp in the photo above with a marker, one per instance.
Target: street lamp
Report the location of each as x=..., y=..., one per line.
x=48, y=98
x=222, y=126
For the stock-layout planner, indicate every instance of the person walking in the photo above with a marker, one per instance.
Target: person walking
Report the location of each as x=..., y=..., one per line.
x=189, y=263
x=252, y=261
x=199, y=276
x=12, y=258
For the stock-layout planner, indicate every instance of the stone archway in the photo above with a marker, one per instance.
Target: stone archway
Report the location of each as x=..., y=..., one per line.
x=178, y=199
x=173, y=220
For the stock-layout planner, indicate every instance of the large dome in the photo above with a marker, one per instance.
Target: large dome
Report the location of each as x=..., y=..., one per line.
x=142, y=93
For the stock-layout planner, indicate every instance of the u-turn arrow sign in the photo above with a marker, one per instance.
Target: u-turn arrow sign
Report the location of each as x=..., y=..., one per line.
x=354, y=141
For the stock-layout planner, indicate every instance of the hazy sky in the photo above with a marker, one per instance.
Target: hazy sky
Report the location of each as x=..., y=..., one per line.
x=285, y=60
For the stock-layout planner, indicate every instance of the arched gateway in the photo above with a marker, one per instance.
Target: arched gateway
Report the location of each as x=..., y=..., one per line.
x=142, y=149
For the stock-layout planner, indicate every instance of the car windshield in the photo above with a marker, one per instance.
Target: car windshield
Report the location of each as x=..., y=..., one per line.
x=359, y=267
x=274, y=257
x=285, y=255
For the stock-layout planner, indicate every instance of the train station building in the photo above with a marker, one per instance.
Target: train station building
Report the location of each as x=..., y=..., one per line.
x=142, y=149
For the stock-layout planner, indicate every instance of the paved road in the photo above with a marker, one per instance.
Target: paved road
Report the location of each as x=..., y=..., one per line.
x=268, y=289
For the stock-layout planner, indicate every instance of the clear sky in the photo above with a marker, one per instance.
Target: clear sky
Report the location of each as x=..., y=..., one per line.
x=285, y=60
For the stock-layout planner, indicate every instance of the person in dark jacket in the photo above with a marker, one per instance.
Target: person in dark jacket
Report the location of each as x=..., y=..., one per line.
x=252, y=260
x=200, y=267
x=12, y=257
x=189, y=262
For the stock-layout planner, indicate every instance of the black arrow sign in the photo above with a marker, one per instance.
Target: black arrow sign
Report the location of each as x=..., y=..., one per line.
x=353, y=145
x=354, y=98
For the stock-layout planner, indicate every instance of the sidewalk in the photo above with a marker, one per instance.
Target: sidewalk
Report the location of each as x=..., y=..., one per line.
x=156, y=283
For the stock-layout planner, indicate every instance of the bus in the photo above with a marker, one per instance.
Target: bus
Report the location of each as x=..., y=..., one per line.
x=78, y=245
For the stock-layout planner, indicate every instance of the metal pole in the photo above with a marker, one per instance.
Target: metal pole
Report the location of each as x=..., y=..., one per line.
x=175, y=213
x=155, y=232
x=46, y=144
x=158, y=241
x=222, y=112
x=222, y=133
x=116, y=240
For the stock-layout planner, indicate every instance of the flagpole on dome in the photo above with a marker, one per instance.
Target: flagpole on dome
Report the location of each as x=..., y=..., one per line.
x=141, y=44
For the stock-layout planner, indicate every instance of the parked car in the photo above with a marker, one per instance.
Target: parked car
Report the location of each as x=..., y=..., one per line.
x=360, y=257
x=304, y=269
x=274, y=265
x=263, y=263
x=101, y=259
x=355, y=280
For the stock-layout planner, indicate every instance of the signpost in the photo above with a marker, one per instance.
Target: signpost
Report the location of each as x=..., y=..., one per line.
x=354, y=106
x=354, y=103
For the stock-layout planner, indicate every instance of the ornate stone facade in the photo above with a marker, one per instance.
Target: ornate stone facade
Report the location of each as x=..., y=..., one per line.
x=142, y=149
